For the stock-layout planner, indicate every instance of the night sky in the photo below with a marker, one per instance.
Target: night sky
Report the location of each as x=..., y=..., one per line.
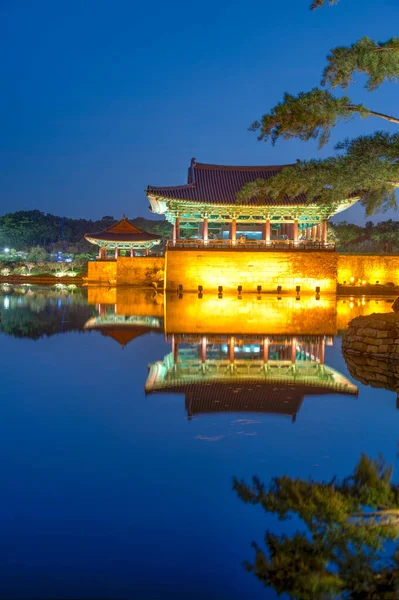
x=100, y=99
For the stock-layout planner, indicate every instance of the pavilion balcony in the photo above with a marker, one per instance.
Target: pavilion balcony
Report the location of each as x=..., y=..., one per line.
x=261, y=245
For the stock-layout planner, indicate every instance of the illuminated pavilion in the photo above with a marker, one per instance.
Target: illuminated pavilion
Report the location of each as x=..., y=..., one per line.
x=123, y=237
x=263, y=374
x=207, y=208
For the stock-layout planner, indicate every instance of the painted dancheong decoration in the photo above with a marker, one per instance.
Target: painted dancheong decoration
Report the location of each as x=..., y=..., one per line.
x=209, y=202
x=123, y=237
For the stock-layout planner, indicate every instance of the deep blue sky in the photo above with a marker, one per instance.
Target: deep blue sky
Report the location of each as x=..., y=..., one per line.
x=100, y=98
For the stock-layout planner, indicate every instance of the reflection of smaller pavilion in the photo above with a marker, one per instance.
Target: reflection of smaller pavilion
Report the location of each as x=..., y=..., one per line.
x=122, y=328
x=246, y=374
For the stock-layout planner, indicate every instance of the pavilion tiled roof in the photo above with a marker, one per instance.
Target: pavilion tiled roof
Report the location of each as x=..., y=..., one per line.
x=219, y=184
x=123, y=231
x=244, y=396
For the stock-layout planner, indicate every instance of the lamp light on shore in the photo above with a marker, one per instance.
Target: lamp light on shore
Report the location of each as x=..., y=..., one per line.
x=200, y=290
x=259, y=289
x=220, y=291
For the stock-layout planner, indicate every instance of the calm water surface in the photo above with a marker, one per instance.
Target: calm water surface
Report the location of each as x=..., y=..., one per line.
x=119, y=443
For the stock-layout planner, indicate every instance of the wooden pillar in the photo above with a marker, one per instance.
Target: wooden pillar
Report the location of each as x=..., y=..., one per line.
x=205, y=236
x=177, y=228
x=322, y=351
x=265, y=349
x=131, y=252
x=233, y=230
x=231, y=348
x=147, y=252
x=324, y=231
x=266, y=231
x=203, y=349
x=314, y=233
x=100, y=252
x=117, y=252
x=295, y=232
x=174, y=233
x=293, y=350
x=175, y=349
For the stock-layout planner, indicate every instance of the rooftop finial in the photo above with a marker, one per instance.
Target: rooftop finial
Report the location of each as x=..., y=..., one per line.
x=193, y=162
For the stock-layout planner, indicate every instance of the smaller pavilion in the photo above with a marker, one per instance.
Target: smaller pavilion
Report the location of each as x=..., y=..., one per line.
x=123, y=237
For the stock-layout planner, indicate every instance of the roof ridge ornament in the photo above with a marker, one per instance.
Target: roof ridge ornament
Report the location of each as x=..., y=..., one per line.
x=191, y=178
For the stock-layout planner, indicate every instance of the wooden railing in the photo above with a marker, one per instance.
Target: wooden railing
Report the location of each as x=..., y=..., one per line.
x=250, y=245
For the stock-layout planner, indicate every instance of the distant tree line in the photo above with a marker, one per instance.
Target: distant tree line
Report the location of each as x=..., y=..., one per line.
x=380, y=238
x=37, y=234
x=24, y=230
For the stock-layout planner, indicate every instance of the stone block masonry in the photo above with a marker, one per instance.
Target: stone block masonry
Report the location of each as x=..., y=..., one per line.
x=375, y=336
x=249, y=269
x=137, y=271
x=212, y=268
x=369, y=268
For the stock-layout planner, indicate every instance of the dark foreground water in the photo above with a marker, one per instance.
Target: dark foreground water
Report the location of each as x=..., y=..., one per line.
x=118, y=451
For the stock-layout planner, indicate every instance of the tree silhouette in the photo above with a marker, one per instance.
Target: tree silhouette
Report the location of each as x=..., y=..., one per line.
x=366, y=167
x=346, y=545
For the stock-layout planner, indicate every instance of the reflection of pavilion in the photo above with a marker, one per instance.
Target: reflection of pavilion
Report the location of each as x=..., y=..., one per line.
x=246, y=374
x=123, y=327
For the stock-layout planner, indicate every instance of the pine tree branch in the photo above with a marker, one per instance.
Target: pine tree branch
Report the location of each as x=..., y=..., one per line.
x=378, y=513
x=366, y=111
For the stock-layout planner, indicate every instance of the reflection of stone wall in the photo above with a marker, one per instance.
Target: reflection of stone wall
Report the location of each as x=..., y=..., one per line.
x=249, y=315
x=127, y=301
x=368, y=268
x=371, y=350
x=230, y=269
x=378, y=373
x=349, y=308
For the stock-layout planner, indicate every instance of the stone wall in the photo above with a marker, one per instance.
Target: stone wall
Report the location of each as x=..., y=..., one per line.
x=230, y=269
x=368, y=268
x=101, y=271
x=139, y=271
x=376, y=336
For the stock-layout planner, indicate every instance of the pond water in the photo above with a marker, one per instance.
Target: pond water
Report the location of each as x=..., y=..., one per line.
x=126, y=414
